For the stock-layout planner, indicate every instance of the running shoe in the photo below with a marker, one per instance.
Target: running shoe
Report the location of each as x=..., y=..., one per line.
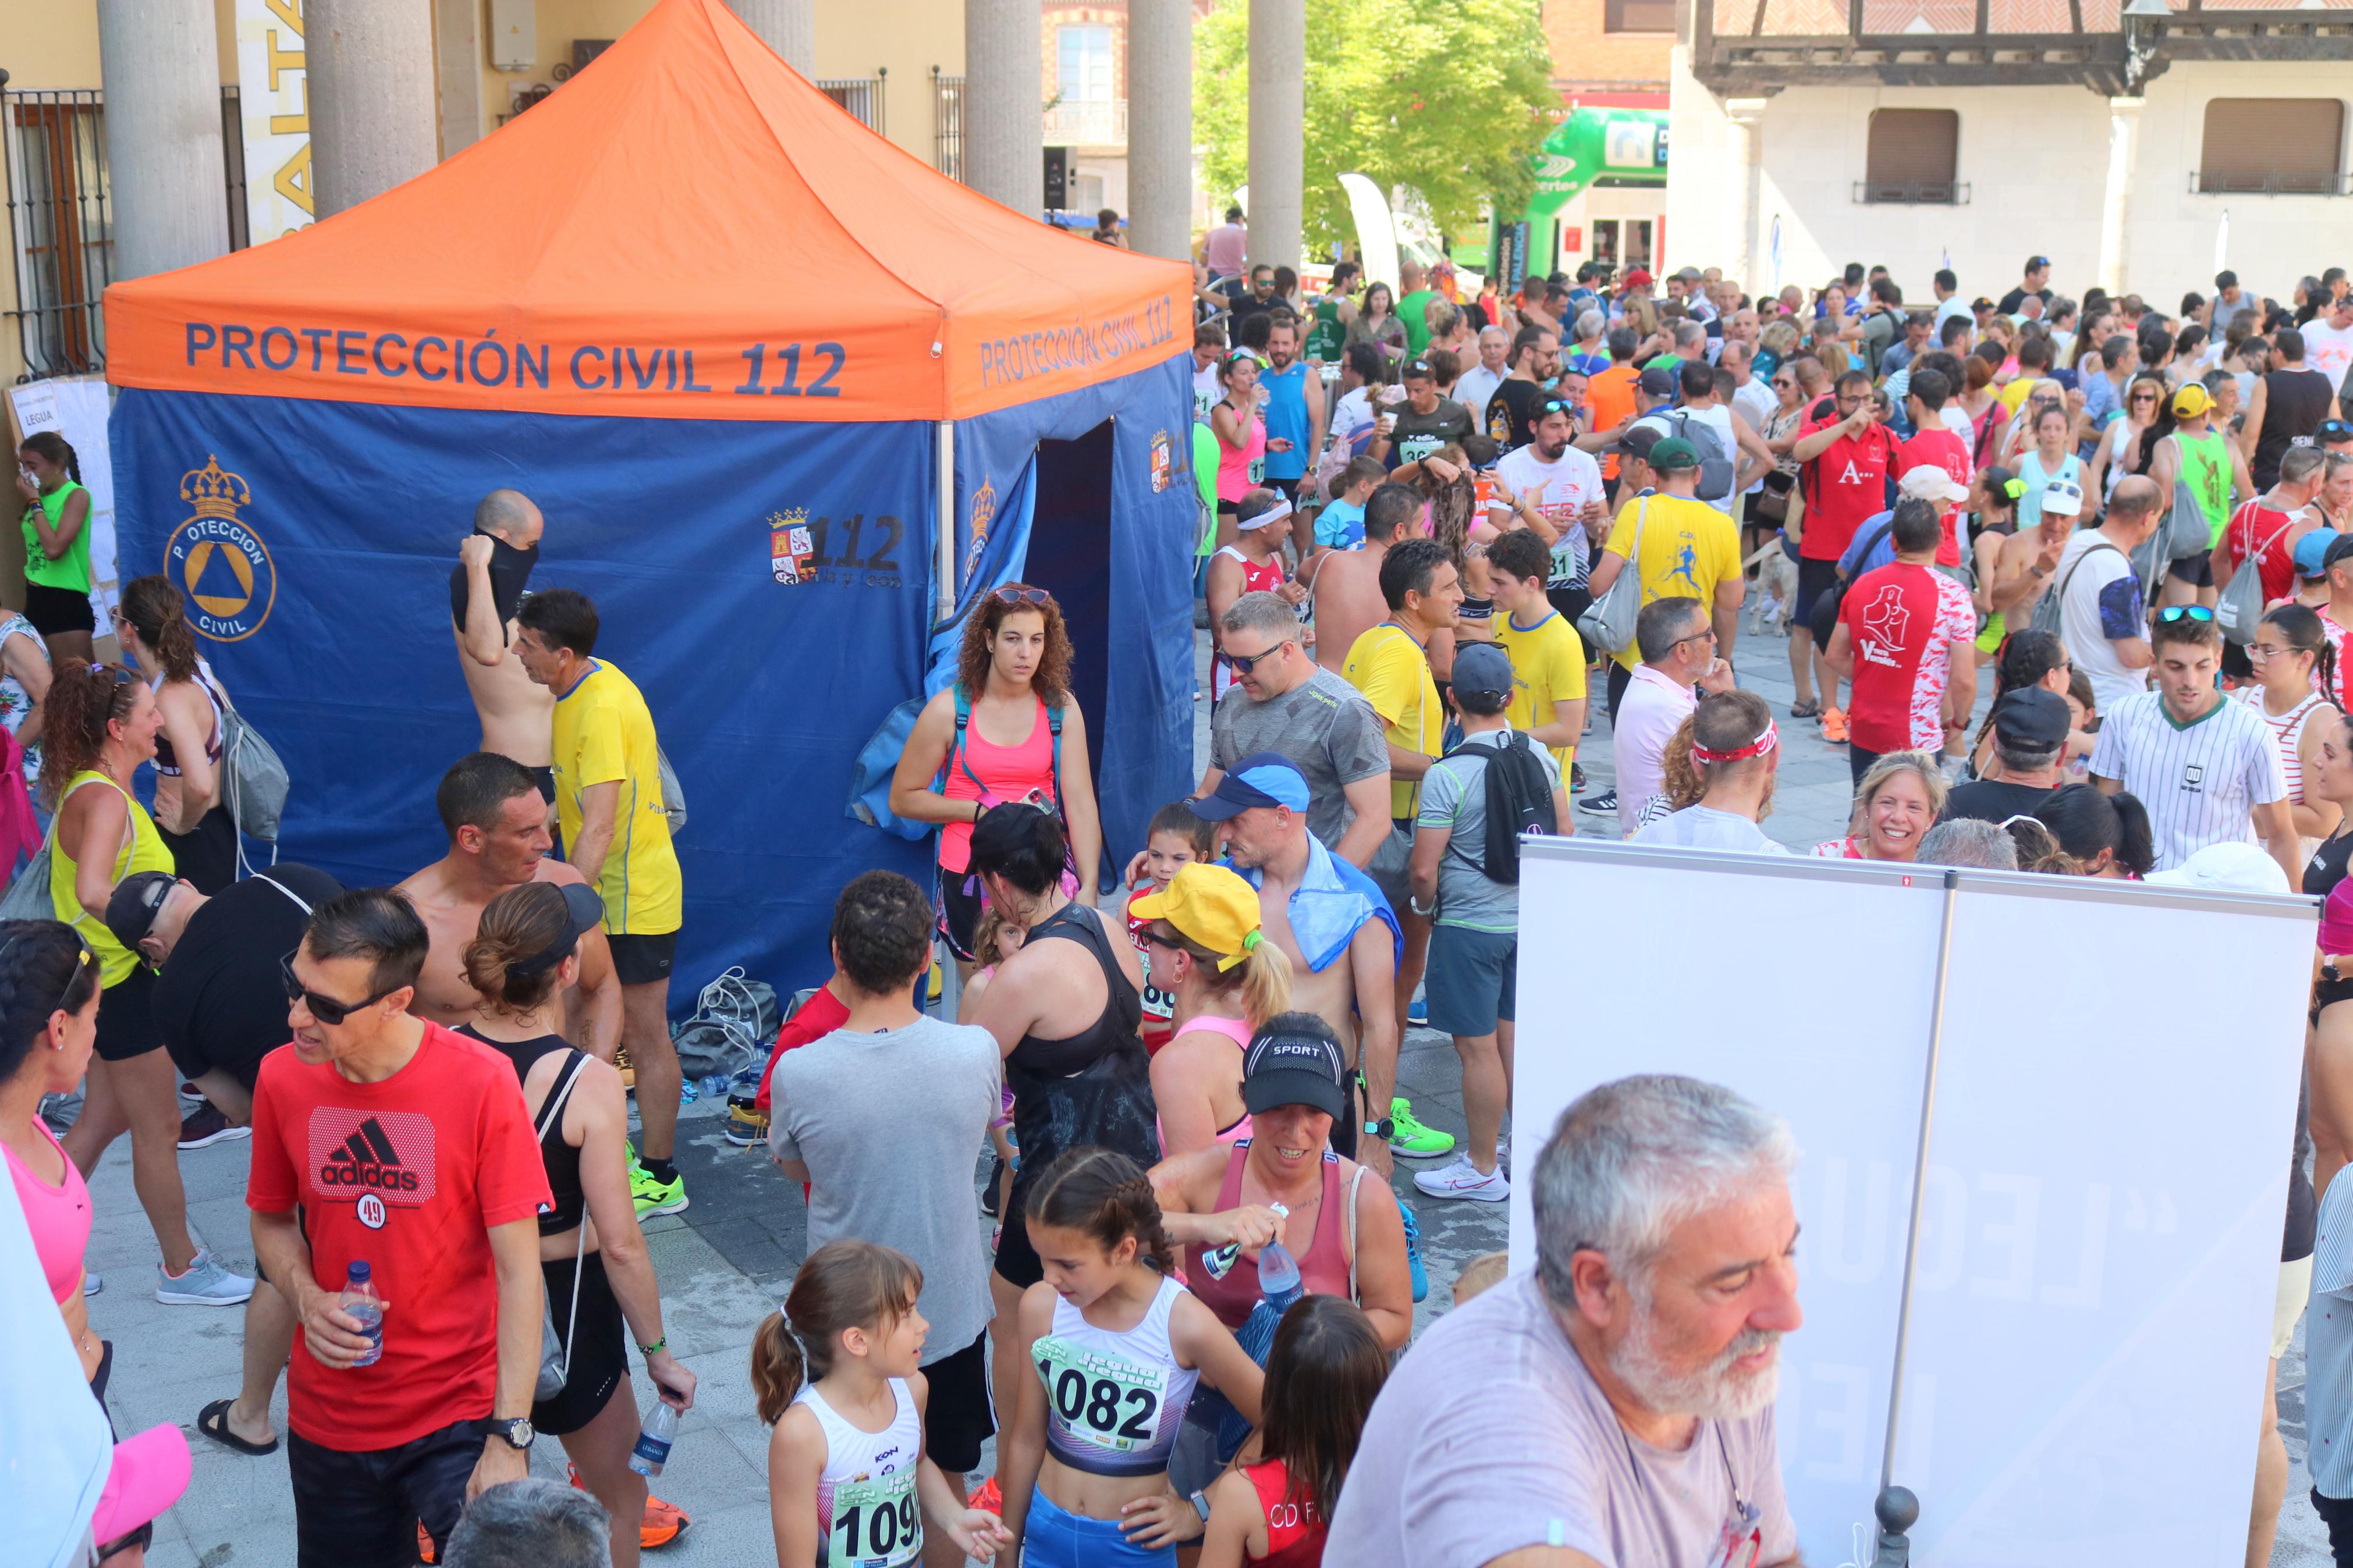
x=1408, y=1137
x=664, y=1521
x=91, y=1284
x=1461, y=1180
x=747, y=1124
x=1576, y=777
x=934, y=985
x=205, y=1284
x=988, y=1189
x=207, y=1127
x=1418, y=1011
x=622, y=1065
x=1834, y=726
x=425, y=1553
x=1602, y=804
x=654, y=1196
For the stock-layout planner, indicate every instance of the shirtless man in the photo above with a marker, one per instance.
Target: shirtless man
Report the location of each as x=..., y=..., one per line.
x=1331, y=920
x=1347, y=582
x=493, y=564
x=499, y=839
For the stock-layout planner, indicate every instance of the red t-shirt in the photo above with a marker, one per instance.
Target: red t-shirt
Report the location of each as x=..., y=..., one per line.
x=409, y=1174
x=821, y=1015
x=1901, y=621
x=1940, y=448
x=2253, y=527
x=1845, y=487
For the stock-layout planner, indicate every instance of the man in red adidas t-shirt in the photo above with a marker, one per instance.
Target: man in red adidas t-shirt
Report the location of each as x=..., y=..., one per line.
x=1906, y=634
x=2266, y=527
x=384, y=1139
x=1844, y=459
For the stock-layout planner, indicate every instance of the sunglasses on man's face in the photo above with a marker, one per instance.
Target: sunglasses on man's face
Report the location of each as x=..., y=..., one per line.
x=1244, y=663
x=326, y=1009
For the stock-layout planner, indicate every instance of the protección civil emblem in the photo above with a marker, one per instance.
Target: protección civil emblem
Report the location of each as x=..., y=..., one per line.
x=216, y=559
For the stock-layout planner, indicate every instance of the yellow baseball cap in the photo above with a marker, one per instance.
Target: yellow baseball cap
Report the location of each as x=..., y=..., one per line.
x=2192, y=400
x=1208, y=905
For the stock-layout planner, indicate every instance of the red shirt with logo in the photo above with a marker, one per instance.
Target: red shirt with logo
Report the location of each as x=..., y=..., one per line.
x=1901, y=621
x=2254, y=527
x=1845, y=487
x=1939, y=448
x=409, y=1174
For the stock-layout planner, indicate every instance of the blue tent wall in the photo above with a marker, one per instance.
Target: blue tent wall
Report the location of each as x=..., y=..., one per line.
x=762, y=692
x=1145, y=721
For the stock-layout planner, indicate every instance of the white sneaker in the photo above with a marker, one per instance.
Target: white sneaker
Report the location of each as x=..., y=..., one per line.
x=205, y=1284
x=1461, y=1180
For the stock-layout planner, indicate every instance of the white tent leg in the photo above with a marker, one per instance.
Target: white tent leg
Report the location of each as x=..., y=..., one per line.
x=945, y=571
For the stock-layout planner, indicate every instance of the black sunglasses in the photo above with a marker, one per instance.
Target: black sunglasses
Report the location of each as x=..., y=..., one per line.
x=326, y=1009
x=2173, y=613
x=1243, y=663
x=1024, y=596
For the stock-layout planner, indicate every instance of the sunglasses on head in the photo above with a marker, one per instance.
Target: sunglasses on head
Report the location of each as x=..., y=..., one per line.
x=1555, y=406
x=1009, y=596
x=2173, y=613
x=326, y=1009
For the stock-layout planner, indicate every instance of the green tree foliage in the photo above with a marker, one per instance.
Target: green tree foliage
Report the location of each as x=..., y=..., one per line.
x=1450, y=97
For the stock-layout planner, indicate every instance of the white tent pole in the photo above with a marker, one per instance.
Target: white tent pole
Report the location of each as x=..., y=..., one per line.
x=945, y=571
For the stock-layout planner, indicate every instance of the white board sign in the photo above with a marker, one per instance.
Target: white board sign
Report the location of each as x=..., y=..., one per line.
x=76, y=407
x=2106, y=1172
x=274, y=98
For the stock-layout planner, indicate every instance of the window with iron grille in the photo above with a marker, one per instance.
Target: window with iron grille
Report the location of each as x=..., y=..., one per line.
x=2273, y=146
x=947, y=124
x=60, y=225
x=1913, y=156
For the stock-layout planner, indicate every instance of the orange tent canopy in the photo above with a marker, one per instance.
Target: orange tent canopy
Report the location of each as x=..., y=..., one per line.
x=687, y=230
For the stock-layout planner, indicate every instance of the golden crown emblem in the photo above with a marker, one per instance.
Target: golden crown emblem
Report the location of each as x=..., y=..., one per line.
x=213, y=492
x=984, y=506
x=791, y=517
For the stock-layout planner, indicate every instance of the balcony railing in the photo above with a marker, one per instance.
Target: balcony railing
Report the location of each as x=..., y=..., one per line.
x=1077, y=122
x=947, y=124
x=2269, y=183
x=1911, y=193
x=861, y=95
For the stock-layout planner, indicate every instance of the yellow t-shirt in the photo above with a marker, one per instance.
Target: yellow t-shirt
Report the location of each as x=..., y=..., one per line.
x=2021, y=388
x=1389, y=668
x=1547, y=668
x=1688, y=547
x=604, y=732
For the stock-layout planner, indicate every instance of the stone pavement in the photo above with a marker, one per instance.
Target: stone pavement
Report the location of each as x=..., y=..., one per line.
x=727, y=1260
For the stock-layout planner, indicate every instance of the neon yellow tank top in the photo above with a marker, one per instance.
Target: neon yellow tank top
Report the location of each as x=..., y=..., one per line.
x=146, y=851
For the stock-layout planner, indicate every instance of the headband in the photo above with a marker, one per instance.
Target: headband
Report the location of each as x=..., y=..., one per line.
x=548, y=957
x=1276, y=513
x=1756, y=748
x=1250, y=946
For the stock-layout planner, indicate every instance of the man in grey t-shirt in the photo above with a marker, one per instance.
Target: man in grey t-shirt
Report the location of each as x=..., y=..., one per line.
x=885, y=1118
x=1613, y=1408
x=1283, y=701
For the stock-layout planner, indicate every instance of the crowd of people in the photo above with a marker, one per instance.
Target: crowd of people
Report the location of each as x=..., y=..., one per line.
x=1123, y=1166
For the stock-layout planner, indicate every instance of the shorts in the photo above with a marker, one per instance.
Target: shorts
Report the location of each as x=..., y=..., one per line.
x=207, y=856
x=126, y=1017
x=362, y=1510
x=1017, y=1261
x=596, y=1357
x=1471, y=978
x=546, y=779
x=1814, y=579
x=55, y=611
x=1054, y=1539
x=2287, y=1306
x=2328, y=994
x=957, y=1416
x=2197, y=570
x=643, y=960
x=960, y=904
x=1859, y=762
x=1348, y=1127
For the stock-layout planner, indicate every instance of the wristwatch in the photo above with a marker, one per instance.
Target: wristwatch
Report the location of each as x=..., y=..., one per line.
x=514, y=1431
x=1201, y=1506
x=1382, y=1129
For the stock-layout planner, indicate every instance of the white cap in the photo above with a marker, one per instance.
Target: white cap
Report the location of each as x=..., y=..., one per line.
x=1929, y=482
x=2063, y=496
x=2226, y=869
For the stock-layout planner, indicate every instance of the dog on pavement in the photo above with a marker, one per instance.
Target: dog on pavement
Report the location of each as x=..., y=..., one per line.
x=1773, y=592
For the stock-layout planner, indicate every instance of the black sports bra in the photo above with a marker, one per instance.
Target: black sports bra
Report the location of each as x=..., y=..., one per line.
x=561, y=1160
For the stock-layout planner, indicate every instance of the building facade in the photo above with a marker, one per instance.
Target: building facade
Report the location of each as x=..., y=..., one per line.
x=1601, y=168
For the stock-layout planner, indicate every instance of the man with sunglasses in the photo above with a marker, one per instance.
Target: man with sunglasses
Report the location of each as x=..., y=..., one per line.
x=2205, y=767
x=1677, y=642
x=220, y=1008
x=382, y=1138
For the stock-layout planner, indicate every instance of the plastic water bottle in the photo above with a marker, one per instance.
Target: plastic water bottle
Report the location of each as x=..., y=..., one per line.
x=360, y=1300
x=1278, y=1276
x=654, y=1438
x=714, y=1086
x=1220, y=1262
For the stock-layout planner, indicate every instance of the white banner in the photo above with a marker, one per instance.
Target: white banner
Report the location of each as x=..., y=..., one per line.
x=2106, y=1179
x=76, y=407
x=274, y=95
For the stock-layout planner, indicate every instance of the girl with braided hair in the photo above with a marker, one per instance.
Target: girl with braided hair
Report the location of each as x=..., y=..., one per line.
x=102, y=724
x=153, y=624
x=1118, y=1346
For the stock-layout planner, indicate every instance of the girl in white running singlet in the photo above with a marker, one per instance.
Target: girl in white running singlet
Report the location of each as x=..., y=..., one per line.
x=1118, y=1347
x=835, y=1372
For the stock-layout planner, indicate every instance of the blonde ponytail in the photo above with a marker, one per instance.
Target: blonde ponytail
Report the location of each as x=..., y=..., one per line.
x=1266, y=982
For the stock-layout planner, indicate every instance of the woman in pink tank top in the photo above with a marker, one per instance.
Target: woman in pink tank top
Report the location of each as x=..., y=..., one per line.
x=1239, y=425
x=1204, y=947
x=990, y=738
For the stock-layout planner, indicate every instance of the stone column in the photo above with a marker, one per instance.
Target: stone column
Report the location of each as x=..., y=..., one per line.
x=1278, y=105
x=457, y=60
x=170, y=187
x=787, y=26
x=1160, y=127
x=1742, y=160
x=374, y=121
x=2115, y=198
x=1004, y=108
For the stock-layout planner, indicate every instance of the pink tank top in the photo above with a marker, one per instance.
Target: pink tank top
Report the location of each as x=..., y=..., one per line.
x=1241, y=468
x=1236, y=1030
x=1009, y=773
x=1323, y=1269
x=58, y=1216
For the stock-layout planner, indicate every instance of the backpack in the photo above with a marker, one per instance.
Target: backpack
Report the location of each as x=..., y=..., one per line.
x=1519, y=797
x=956, y=750
x=256, y=784
x=1715, y=470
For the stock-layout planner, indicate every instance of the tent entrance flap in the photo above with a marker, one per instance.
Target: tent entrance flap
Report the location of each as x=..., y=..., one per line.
x=1069, y=556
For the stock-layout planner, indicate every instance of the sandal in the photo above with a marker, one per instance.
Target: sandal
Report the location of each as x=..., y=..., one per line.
x=1806, y=709
x=213, y=1422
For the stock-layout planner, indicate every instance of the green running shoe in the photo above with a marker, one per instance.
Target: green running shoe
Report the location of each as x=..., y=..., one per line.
x=654, y=1196
x=1411, y=1139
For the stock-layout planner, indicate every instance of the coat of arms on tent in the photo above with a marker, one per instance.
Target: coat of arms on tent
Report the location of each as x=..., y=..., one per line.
x=791, y=553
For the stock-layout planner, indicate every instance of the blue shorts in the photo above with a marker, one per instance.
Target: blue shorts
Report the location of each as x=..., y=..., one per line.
x=1053, y=1539
x=1470, y=980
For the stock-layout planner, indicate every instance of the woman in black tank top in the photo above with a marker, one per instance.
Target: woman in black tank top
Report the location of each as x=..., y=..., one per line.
x=1064, y=1010
x=522, y=957
x=2290, y=403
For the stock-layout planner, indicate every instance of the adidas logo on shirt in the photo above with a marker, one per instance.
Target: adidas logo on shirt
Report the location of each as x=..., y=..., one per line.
x=390, y=1152
x=367, y=1159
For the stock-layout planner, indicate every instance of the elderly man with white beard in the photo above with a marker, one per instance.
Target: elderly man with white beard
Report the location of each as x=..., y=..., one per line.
x=1612, y=1408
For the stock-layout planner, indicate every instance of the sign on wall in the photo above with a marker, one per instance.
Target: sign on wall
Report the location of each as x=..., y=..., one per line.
x=274, y=90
